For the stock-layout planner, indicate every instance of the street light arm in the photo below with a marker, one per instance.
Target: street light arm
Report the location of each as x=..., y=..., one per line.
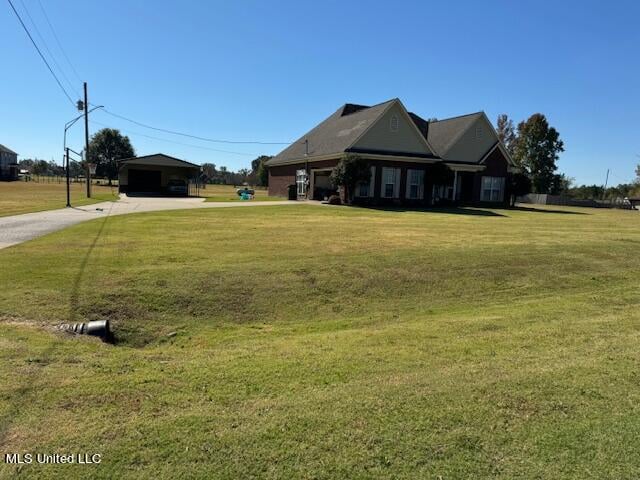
x=70, y=123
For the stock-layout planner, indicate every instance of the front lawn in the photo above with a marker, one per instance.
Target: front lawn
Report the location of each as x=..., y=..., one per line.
x=328, y=342
x=227, y=193
x=25, y=197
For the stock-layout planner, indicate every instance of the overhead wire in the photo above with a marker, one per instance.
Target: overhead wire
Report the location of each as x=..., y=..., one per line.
x=176, y=142
x=44, y=43
x=55, y=35
x=40, y=53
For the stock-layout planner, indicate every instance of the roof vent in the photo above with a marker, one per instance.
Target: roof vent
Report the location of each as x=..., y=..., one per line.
x=394, y=123
x=479, y=132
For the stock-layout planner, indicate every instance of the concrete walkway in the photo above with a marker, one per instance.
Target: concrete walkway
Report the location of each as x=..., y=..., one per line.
x=20, y=228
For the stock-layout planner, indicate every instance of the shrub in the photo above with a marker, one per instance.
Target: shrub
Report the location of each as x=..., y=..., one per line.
x=334, y=200
x=350, y=170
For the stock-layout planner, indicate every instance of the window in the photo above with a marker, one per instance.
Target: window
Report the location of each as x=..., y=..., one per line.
x=301, y=182
x=365, y=189
x=390, y=182
x=394, y=123
x=492, y=189
x=415, y=184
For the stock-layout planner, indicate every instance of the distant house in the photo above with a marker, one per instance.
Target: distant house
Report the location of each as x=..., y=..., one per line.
x=8, y=164
x=157, y=174
x=402, y=149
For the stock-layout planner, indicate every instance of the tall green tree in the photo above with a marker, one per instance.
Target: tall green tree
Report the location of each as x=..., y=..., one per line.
x=506, y=132
x=259, y=171
x=537, y=151
x=106, y=147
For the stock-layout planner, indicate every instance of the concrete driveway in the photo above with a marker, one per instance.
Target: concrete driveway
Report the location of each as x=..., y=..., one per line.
x=20, y=228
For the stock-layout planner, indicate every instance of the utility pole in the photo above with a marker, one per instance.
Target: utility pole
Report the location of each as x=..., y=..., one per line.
x=604, y=190
x=86, y=140
x=68, y=185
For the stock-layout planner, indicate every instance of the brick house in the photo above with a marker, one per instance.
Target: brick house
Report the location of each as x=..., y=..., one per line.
x=401, y=149
x=8, y=164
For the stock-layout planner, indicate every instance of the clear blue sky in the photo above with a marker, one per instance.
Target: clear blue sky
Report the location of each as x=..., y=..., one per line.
x=255, y=70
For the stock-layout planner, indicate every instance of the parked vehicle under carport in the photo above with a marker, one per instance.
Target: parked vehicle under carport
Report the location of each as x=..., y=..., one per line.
x=177, y=187
x=156, y=175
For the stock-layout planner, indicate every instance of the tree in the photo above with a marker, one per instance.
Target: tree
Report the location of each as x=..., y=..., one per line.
x=259, y=170
x=519, y=184
x=209, y=172
x=506, y=133
x=637, y=180
x=349, y=171
x=106, y=147
x=537, y=150
x=560, y=184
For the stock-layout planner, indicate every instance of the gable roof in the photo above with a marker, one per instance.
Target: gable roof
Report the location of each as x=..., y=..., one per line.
x=157, y=159
x=335, y=134
x=443, y=134
x=341, y=131
x=6, y=150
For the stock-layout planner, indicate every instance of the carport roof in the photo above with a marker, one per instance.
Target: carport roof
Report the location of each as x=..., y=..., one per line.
x=158, y=159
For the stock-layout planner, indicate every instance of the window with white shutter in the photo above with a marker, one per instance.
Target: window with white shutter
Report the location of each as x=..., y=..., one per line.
x=415, y=184
x=390, y=185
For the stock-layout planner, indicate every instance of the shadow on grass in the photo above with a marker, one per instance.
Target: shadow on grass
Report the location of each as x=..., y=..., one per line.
x=544, y=210
x=448, y=210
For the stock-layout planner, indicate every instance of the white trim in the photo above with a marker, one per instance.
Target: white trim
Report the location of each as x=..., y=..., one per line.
x=491, y=150
x=420, y=185
x=407, y=118
x=397, y=173
x=455, y=184
x=465, y=167
x=502, y=147
x=502, y=186
x=504, y=151
x=368, y=156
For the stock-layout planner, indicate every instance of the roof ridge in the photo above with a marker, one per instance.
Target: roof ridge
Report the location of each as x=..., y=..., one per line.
x=457, y=116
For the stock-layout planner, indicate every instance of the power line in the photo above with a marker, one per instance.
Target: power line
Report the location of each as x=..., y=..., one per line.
x=55, y=35
x=40, y=53
x=176, y=142
x=204, y=139
x=46, y=47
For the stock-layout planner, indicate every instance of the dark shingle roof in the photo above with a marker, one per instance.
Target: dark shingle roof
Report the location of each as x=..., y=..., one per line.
x=157, y=159
x=335, y=134
x=339, y=131
x=6, y=150
x=443, y=134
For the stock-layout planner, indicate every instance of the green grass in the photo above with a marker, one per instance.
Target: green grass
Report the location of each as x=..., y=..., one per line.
x=227, y=193
x=328, y=342
x=25, y=197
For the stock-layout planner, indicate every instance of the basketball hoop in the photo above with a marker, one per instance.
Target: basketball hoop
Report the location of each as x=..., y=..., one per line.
x=92, y=168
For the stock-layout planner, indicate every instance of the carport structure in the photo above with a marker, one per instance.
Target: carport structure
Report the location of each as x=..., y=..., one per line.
x=151, y=174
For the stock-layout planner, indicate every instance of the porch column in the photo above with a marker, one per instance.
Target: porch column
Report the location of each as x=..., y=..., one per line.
x=455, y=185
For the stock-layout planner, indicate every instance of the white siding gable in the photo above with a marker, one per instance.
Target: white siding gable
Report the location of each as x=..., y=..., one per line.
x=393, y=132
x=474, y=143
